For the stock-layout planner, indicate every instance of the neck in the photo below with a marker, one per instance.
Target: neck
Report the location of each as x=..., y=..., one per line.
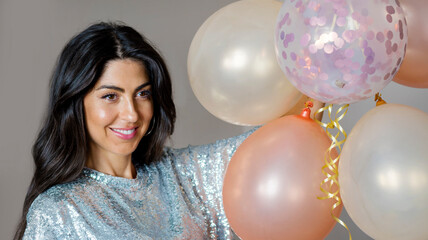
x=112, y=164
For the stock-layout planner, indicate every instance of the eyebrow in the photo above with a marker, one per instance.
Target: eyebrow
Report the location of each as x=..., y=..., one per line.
x=121, y=89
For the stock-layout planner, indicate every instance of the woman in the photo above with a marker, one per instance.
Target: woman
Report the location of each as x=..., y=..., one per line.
x=102, y=171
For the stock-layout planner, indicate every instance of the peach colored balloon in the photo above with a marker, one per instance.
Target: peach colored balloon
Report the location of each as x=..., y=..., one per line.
x=414, y=69
x=273, y=180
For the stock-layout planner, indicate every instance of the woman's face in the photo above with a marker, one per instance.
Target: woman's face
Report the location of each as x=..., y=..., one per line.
x=119, y=108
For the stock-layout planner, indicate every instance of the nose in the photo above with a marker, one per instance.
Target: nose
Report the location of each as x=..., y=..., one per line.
x=129, y=112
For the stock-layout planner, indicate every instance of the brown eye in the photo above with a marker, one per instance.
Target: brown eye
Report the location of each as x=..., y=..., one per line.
x=110, y=97
x=144, y=94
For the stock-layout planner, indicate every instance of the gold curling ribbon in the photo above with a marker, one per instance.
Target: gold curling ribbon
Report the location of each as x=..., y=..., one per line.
x=330, y=169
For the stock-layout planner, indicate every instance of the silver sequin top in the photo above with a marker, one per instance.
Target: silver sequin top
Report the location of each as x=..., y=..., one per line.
x=178, y=197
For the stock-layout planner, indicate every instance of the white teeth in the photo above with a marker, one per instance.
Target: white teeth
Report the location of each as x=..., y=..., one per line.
x=126, y=132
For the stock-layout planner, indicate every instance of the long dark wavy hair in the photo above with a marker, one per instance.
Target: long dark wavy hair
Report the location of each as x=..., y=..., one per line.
x=61, y=147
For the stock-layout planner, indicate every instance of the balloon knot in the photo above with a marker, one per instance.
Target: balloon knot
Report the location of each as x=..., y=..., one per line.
x=306, y=112
x=309, y=104
x=379, y=100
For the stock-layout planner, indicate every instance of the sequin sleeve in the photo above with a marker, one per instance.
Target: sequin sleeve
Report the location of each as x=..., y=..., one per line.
x=212, y=159
x=206, y=165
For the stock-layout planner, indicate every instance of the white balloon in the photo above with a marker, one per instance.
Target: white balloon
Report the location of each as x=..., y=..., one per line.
x=383, y=173
x=232, y=65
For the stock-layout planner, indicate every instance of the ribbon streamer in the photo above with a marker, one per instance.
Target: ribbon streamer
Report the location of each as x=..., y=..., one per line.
x=330, y=169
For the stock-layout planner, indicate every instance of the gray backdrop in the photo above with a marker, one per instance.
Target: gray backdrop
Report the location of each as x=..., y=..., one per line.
x=32, y=34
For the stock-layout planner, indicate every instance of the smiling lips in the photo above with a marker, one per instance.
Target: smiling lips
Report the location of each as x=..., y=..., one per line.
x=125, y=133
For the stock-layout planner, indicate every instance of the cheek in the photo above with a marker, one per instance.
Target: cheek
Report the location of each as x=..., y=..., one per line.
x=146, y=111
x=149, y=113
x=98, y=116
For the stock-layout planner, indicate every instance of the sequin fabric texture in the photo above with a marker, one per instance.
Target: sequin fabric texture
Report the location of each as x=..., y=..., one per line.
x=178, y=197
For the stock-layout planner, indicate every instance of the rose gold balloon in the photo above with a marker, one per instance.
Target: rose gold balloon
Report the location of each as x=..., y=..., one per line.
x=414, y=69
x=273, y=180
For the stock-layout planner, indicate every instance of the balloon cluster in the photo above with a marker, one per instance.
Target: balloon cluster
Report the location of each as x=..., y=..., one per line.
x=334, y=51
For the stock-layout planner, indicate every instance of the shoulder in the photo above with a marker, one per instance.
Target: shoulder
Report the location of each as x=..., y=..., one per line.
x=44, y=213
x=62, y=192
x=169, y=152
x=50, y=208
x=178, y=156
x=51, y=203
x=176, y=159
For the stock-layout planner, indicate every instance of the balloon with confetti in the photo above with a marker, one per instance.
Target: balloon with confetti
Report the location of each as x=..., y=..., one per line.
x=339, y=51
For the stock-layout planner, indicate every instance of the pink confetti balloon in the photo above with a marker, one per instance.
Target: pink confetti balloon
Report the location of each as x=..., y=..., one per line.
x=339, y=51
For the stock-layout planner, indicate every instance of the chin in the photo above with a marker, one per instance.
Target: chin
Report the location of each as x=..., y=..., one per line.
x=124, y=151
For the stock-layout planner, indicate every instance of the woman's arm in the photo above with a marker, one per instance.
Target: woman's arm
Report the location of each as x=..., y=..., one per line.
x=205, y=167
